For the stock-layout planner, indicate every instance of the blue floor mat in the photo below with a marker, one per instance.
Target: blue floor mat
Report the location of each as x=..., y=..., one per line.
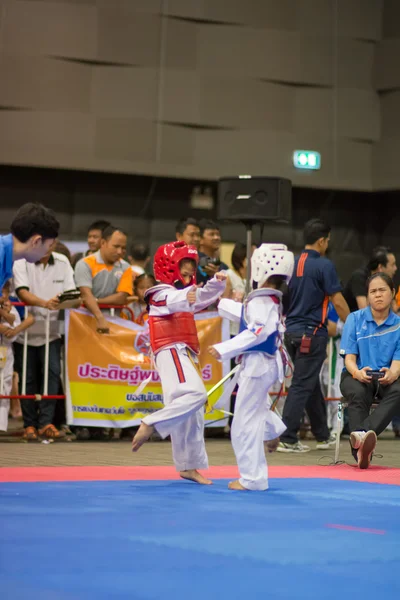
x=176, y=540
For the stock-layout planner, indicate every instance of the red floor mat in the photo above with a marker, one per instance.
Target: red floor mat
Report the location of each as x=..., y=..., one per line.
x=373, y=475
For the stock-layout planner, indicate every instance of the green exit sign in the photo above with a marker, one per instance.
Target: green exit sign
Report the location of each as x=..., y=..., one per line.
x=307, y=159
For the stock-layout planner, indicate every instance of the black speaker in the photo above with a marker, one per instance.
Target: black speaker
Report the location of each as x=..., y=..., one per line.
x=255, y=199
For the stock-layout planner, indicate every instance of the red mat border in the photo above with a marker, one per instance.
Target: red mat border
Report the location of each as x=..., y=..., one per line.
x=374, y=474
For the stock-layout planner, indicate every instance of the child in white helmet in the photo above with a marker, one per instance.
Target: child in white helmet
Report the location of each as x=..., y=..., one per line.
x=257, y=345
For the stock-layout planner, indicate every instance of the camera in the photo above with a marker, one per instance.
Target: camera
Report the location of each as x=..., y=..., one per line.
x=207, y=260
x=375, y=374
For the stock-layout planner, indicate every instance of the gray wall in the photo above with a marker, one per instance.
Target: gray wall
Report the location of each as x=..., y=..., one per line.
x=148, y=209
x=386, y=172
x=202, y=88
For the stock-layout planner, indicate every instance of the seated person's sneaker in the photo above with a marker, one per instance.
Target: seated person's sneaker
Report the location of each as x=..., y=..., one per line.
x=30, y=434
x=366, y=449
x=356, y=437
x=50, y=432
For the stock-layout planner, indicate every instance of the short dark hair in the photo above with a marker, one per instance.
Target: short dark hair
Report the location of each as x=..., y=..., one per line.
x=34, y=219
x=314, y=230
x=108, y=231
x=238, y=255
x=386, y=278
x=99, y=225
x=63, y=249
x=139, y=251
x=378, y=257
x=279, y=281
x=76, y=258
x=183, y=223
x=207, y=224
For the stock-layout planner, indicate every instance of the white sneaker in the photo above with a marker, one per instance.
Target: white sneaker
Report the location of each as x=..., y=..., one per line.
x=366, y=449
x=356, y=438
x=325, y=445
x=297, y=448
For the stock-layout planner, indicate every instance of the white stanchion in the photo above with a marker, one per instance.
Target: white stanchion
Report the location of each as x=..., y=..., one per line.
x=330, y=361
x=46, y=355
x=24, y=356
x=338, y=430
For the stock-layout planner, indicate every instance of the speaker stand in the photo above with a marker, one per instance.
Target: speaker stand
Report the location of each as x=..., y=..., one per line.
x=249, y=236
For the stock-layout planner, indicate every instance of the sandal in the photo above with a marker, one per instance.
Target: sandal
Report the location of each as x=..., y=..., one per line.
x=30, y=434
x=51, y=433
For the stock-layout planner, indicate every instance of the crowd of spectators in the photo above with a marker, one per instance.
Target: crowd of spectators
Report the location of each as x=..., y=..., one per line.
x=111, y=272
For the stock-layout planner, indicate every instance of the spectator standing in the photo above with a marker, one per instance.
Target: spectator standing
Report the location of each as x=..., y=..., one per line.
x=314, y=281
x=104, y=277
x=39, y=286
x=210, y=245
x=187, y=230
x=33, y=231
x=139, y=258
x=94, y=236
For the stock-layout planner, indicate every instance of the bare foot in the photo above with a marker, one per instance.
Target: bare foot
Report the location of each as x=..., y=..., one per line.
x=272, y=445
x=236, y=485
x=142, y=435
x=195, y=476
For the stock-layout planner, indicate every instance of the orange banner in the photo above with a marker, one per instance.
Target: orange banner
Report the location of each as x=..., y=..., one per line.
x=103, y=371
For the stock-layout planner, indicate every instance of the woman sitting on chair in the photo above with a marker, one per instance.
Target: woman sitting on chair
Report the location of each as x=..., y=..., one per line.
x=371, y=350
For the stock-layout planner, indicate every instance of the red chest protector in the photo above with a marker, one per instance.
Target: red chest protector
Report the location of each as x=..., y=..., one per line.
x=178, y=328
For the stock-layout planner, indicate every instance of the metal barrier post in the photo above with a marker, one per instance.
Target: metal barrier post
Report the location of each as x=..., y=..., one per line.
x=338, y=430
x=330, y=361
x=24, y=355
x=46, y=355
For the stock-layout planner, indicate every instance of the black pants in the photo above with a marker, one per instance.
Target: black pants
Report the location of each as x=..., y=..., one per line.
x=360, y=396
x=305, y=392
x=39, y=414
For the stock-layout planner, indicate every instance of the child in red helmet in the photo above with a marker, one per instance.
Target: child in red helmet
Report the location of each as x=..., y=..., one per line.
x=175, y=345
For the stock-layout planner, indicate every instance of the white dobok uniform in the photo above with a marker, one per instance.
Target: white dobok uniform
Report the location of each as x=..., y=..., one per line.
x=6, y=374
x=183, y=389
x=253, y=421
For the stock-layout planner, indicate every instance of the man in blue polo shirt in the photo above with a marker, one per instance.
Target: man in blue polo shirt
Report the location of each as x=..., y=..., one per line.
x=371, y=348
x=33, y=230
x=314, y=282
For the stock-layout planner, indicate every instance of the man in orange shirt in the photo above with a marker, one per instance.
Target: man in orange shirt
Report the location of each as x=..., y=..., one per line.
x=104, y=277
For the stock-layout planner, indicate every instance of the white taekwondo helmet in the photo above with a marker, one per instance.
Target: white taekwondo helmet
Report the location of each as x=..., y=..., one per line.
x=271, y=259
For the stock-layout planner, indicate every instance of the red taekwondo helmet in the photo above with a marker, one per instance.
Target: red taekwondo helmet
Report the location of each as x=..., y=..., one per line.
x=167, y=259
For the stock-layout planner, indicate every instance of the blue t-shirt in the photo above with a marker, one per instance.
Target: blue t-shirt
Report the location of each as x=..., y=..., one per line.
x=6, y=259
x=332, y=314
x=376, y=346
x=314, y=280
